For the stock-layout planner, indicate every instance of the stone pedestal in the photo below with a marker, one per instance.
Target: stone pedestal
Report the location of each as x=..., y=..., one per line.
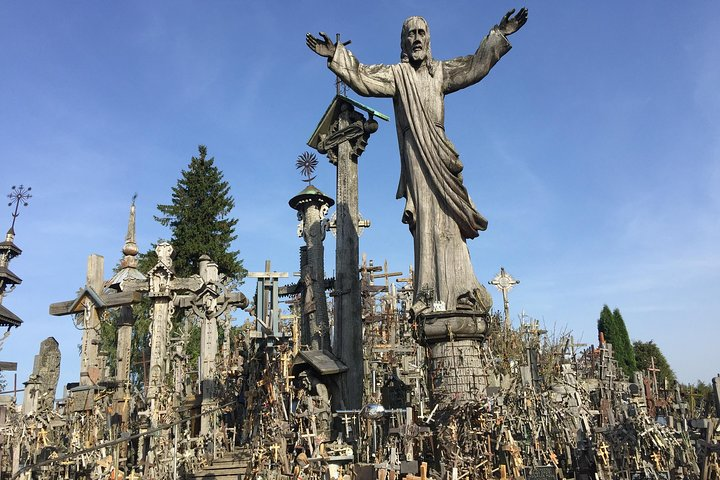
x=457, y=373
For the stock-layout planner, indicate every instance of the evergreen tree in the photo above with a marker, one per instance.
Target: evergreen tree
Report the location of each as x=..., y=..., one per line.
x=646, y=353
x=628, y=363
x=199, y=220
x=612, y=325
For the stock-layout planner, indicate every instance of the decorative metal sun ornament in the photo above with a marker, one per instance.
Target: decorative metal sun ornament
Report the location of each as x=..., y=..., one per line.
x=306, y=163
x=18, y=195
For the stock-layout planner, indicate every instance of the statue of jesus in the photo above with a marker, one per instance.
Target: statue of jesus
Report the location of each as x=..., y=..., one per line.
x=438, y=209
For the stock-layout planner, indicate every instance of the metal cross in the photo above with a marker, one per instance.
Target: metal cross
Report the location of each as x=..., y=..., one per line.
x=18, y=195
x=504, y=282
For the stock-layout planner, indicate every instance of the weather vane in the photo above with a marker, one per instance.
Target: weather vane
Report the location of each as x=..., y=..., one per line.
x=18, y=195
x=306, y=163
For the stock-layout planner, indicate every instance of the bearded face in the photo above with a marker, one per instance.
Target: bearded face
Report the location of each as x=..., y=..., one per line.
x=416, y=40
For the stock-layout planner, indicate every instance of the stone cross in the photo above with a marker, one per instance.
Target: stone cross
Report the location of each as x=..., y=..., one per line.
x=504, y=282
x=40, y=387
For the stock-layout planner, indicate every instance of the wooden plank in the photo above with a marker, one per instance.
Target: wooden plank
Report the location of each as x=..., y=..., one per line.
x=61, y=308
x=323, y=362
x=8, y=366
x=108, y=299
x=267, y=275
x=121, y=298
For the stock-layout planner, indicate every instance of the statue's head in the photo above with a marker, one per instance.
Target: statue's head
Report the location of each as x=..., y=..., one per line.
x=415, y=41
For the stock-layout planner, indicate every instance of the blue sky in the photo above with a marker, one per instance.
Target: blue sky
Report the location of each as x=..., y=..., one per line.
x=593, y=148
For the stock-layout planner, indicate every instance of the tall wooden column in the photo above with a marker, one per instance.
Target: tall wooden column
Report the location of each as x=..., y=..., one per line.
x=348, y=324
x=342, y=134
x=90, y=347
x=160, y=277
x=312, y=205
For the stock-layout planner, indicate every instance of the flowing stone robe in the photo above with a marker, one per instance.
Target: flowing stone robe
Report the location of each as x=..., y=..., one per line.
x=438, y=209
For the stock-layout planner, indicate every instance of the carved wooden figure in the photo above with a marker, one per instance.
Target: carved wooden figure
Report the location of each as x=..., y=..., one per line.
x=438, y=209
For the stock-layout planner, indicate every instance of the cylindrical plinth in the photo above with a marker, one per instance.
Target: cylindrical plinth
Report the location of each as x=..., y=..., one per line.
x=457, y=373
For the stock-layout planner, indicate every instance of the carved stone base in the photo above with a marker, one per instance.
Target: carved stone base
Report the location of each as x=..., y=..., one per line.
x=457, y=373
x=453, y=325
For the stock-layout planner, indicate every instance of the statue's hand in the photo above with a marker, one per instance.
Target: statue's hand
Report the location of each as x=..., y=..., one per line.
x=324, y=47
x=509, y=24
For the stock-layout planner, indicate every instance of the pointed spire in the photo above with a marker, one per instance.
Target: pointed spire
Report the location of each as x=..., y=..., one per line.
x=128, y=265
x=130, y=249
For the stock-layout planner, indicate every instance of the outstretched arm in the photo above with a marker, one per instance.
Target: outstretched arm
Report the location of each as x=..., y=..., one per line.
x=323, y=47
x=365, y=80
x=509, y=24
x=462, y=72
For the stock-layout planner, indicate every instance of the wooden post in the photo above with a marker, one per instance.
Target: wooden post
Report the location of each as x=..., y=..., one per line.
x=343, y=134
x=160, y=278
x=208, y=345
x=90, y=369
x=348, y=322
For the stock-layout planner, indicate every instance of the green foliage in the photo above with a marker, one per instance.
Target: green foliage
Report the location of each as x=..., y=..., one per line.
x=198, y=219
x=646, y=353
x=699, y=398
x=612, y=325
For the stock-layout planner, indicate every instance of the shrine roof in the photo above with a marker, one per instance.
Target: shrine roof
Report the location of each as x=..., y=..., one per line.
x=7, y=245
x=6, y=274
x=9, y=319
x=129, y=273
x=332, y=113
x=310, y=193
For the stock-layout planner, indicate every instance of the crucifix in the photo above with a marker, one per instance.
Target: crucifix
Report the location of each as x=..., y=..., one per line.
x=504, y=282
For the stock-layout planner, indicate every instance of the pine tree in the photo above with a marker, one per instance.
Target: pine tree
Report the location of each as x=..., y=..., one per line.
x=627, y=359
x=199, y=220
x=612, y=325
x=646, y=353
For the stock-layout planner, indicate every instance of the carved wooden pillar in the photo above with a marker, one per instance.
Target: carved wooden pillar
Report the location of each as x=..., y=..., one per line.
x=312, y=206
x=90, y=370
x=160, y=278
x=343, y=134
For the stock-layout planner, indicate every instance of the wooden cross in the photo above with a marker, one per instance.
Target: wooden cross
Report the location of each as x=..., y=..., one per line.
x=693, y=395
x=652, y=369
x=91, y=304
x=407, y=280
x=275, y=448
x=604, y=454
x=311, y=444
x=658, y=460
x=386, y=274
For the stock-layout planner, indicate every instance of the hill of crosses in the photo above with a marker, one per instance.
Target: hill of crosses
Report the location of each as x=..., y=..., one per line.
x=372, y=374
